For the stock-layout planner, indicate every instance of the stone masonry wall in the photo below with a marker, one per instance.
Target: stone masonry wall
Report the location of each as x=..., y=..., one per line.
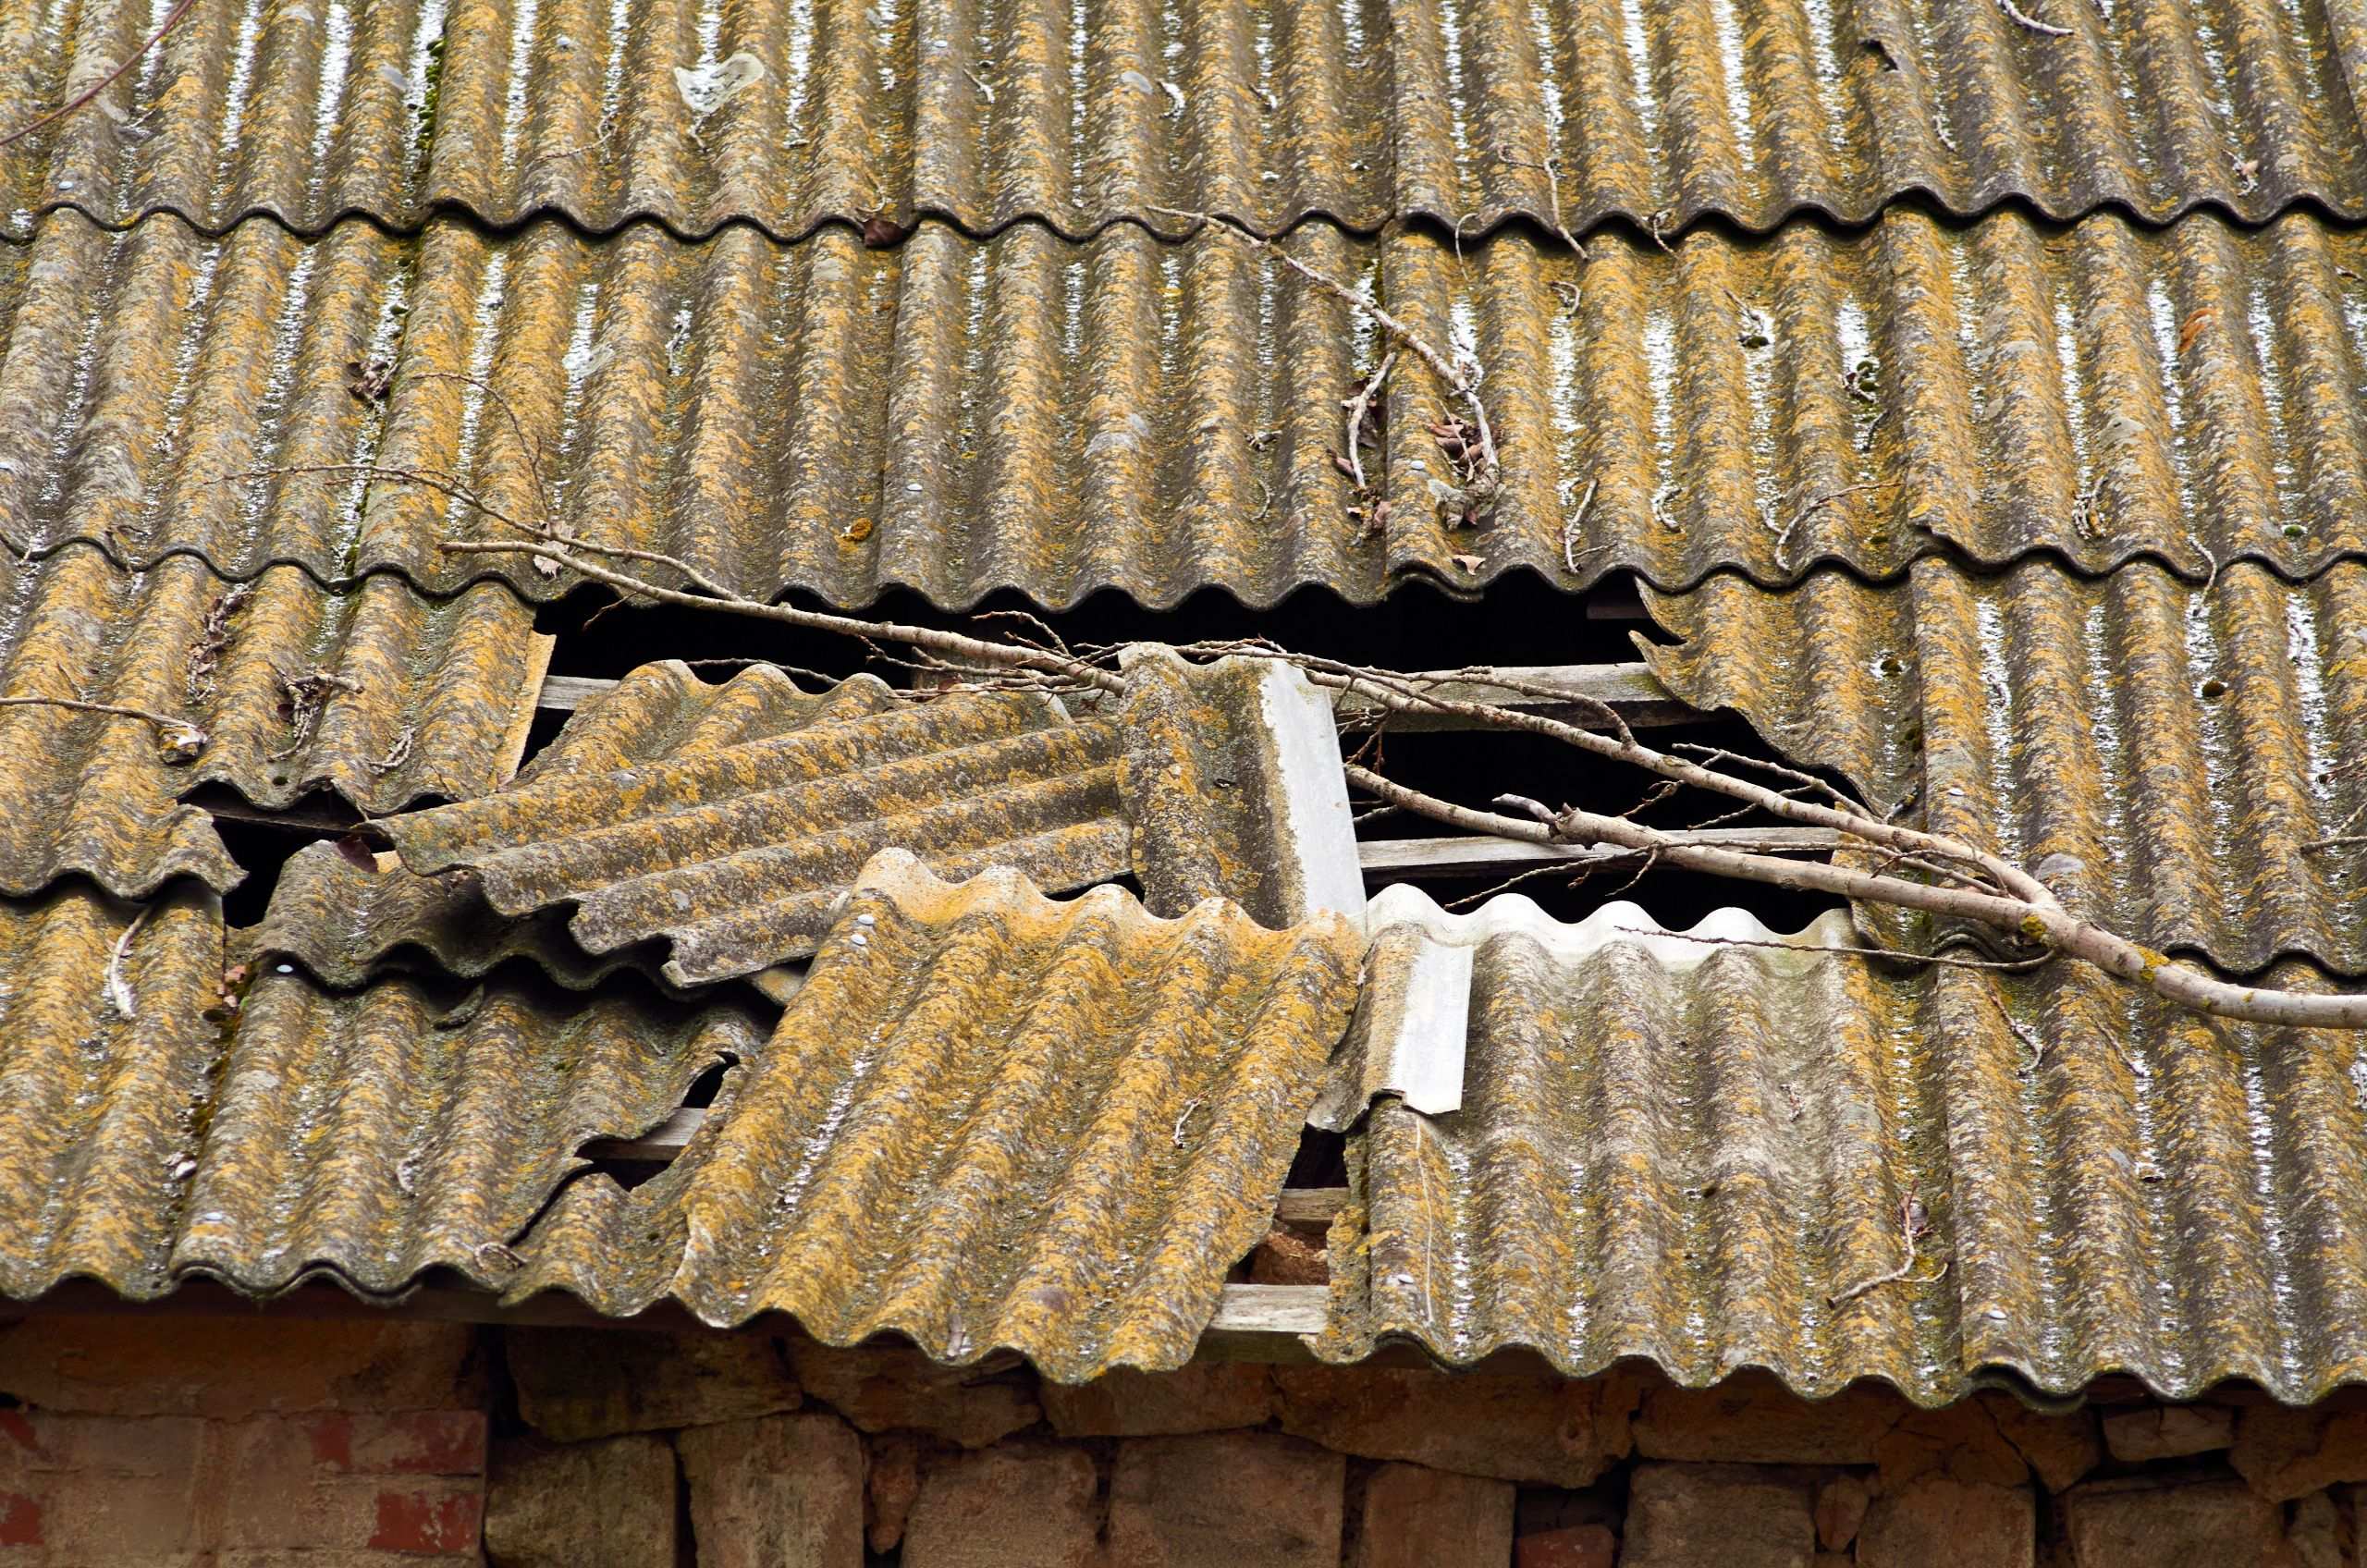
x=148, y=1440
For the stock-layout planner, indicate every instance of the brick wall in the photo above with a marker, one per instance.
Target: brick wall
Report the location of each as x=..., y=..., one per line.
x=267, y=1443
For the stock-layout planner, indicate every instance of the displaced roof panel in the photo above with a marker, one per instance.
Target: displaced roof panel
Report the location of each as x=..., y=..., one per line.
x=1705, y=1164
x=2179, y=763
x=377, y=693
x=785, y=115
x=989, y=1121
x=416, y=1124
x=1213, y=780
x=940, y=415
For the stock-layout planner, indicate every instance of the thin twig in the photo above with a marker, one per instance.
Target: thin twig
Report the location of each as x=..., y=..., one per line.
x=181, y=738
x=2037, y=1047
x=118, y=989
x=1913, y=1226
x=170, y=22
x=2010, y=965
x=2022, y=19
x=1358, y=407
x=1570, y=552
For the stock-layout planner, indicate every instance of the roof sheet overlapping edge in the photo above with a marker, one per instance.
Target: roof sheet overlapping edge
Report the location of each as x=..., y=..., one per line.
x=2171, y=759
x=788, y=118
x=1221, y=780
x=394, y=696
x=1123, y=1093
x=1700, y=1165
x=1410, y=1036
x=371, y=1136
x=830, y=418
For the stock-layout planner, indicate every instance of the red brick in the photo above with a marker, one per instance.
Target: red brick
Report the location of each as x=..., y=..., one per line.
x=605, y=1504
x=1939, y=1520
x=1571, y=1546
x=2140, y=1525
x=431, y=1522
x=227, y=1369
x=781, y=1491
x=1015, y=1506
x=1227, y=1499
x=19, y=1520
x=1717, y=1516
x=1419, y=1518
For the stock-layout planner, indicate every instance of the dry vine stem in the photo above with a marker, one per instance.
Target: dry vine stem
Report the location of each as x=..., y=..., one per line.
x=1989, y=890
x=1459, y=377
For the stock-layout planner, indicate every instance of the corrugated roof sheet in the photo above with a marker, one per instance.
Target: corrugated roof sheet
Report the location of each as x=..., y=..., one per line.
x=102, y=1113
x=403, y=697
x=344, y=920
x=989, y=1121
x=371, y=1135
x=416, y=1124
x=956, y=415
x=1695, y=1162
x=736, y=853
x=785, y=115
x=2164, y=756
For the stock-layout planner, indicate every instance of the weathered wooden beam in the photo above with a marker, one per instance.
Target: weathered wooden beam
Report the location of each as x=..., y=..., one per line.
x=1474, y=855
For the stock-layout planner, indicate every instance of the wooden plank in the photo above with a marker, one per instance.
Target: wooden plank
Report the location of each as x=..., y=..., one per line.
x=1477, y=854
x=1272, y=1309
x=1631, y=689
x=1310, y=1206
x=656, y=1146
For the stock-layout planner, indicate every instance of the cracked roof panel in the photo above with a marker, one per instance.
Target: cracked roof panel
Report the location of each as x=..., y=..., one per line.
x=370, y=1134
x=785, y=115
x=959, y=416
x=2163, y=756
x=734, y=851
x=1700, y=1160
x=989, y=1121
x=395, y=697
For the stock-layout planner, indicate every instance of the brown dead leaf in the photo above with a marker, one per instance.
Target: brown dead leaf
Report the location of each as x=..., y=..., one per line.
x=879, y=231
x=2193, y=329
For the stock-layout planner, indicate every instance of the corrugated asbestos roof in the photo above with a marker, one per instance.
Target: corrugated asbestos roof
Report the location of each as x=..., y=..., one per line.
x=987, y=1121
x=2164, y=756
x=372, y=1135
x=1208, y=781
x=956, y=415
x=400, y=697
x=1692, y=1161
x=785, y=115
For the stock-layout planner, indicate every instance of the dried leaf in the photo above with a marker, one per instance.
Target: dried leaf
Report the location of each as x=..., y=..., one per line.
x=879, y=231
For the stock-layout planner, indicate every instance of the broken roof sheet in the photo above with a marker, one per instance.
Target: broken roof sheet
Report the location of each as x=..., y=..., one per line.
x=2172, y=760
x=1701, y=1161
x=1209, y=780
x=958, y=416
x=373, y=1134
x=377, y=693
x=787, y=116
x=989, y=1121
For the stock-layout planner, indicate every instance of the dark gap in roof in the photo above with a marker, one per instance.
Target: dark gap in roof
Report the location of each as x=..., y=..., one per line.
x=261, y=849
x=1472, y=767
x=1521, y=621
x=702, y=1089
x=1321, y=1160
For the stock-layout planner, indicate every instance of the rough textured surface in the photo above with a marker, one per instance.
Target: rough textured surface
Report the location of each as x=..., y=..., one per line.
x=785, y=1491
x=1229, y=1500
x=1419, y=1518
x=989, y=1121
x=735, y=853
x=1691, y=1163
x=942, y=414
x=221, y=1370
x=574, y=1384
x=787, y=116
x=1519, y=1428
x=2139, y=1524
x=605, y=1504
x=1938, y=1520
x=1004, y=1507
x=415, y=698
x=373, y=1135
x=2161, y=754
x=1208, y=1396
x=891, y=1389
x=1731, y=1515
x=103, y=1116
